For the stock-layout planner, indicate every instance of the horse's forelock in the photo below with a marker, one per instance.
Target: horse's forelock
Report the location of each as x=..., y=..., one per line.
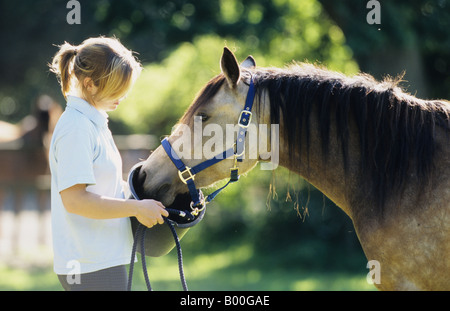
x=203, y=97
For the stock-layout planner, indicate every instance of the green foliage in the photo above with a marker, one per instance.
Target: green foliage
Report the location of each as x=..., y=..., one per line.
x=413, y=36
x=301, y=32
x=164, y=90
x=222, y=270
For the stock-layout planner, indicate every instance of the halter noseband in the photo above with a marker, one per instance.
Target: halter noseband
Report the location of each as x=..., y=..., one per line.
x=187, y=174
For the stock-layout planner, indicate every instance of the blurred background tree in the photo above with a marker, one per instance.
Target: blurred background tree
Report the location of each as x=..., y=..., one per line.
x=413, y=37
x=180, y=43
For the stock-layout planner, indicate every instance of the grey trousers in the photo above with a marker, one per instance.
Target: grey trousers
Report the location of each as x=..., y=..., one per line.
x=110, y=279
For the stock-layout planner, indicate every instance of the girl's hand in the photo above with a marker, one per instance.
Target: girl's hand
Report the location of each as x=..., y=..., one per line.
x=78, y=201
x=150, y=212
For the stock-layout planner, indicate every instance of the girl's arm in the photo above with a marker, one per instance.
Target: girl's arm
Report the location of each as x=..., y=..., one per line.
x=78, y=201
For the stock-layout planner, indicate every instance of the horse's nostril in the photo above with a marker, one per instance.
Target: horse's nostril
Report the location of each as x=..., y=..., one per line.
x=139, y=177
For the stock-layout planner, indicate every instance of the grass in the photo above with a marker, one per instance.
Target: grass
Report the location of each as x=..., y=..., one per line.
x=232, y=269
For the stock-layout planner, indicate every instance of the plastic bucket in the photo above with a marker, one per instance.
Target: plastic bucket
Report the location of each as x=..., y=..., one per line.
x=159, y=239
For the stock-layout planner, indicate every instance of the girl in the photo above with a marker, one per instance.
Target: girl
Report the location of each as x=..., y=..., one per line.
x=92, y=237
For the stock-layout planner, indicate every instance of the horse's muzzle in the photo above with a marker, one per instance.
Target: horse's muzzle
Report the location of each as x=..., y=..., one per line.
x=159, y=239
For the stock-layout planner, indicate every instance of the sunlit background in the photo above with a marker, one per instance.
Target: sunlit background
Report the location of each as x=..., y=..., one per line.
x=272, y=231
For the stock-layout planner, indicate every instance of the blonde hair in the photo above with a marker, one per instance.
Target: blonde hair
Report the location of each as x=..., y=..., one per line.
x=111, y=67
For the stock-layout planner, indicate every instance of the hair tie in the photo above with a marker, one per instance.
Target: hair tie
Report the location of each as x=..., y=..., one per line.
x=75, y=52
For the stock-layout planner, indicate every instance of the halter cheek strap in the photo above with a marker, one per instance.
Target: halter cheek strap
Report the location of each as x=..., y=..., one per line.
x=244, y=121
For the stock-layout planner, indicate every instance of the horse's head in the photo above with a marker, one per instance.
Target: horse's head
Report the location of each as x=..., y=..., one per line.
x=207, y=129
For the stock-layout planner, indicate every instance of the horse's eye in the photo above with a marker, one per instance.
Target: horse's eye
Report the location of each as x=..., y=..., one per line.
x=201, y=116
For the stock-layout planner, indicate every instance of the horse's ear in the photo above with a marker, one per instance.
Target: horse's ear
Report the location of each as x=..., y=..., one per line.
x=249, y=62
x=230, y=67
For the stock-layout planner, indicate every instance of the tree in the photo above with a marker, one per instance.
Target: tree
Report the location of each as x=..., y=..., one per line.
x=413, y=37
x=279, y=31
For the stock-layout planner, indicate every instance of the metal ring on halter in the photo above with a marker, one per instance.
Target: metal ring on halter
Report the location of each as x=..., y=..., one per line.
x=195, y=209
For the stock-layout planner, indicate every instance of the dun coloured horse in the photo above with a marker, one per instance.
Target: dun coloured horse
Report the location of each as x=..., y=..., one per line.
x=383, y=156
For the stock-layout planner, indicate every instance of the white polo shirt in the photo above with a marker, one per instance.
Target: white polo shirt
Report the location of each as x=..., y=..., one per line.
x=82, y=151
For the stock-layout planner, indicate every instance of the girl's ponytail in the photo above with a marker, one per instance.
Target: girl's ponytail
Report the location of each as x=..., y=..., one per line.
x=105, y=61
x=62, y=66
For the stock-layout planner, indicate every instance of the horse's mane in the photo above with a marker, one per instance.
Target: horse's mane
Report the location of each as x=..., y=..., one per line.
x=396, y=130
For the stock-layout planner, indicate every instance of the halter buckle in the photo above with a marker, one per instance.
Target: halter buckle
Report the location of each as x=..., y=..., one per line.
x=245, y=118
x=185, y=179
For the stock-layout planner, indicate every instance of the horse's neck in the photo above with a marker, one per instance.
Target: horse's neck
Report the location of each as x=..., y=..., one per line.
x=326, y=175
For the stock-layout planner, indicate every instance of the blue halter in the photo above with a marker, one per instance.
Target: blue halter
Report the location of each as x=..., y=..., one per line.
x=187, y=174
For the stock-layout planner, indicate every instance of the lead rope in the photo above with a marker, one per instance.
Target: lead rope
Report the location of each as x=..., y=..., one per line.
x=144, y=262
x=140, y=235
x=133, y=255
x=179, y=255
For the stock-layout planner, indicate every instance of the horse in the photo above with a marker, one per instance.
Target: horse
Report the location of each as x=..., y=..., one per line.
x=24, y=159
x=24, y=146
x=379, y=153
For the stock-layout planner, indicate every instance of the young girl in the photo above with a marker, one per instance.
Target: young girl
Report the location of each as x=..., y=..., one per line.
x=92, y=236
